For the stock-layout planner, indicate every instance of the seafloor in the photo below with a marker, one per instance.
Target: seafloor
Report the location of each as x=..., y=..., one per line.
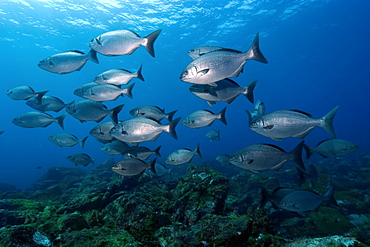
x=192, y=205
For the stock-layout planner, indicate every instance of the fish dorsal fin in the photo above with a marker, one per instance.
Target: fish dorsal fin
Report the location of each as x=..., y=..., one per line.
x=135, y=34
x=229, y=50
x=274, y=146
x=80, y=52
x=233, y=82
x=125, y=70
x=302, y=112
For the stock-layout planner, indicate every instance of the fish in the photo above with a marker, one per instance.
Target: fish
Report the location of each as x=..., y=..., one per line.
x=213, y=135
x=88, y=110
x=332, y=148
x=101, y=131
x=123, y=42
x=48, y=103
x=25, y=93
x=67, y=62
x=118, y=76
x=275, y=197
x=115, y=147
x=218, y=65
x=225, y=90
x=258, y=111
x=104, y=92
x=291, y=123
x=66, y=140
x=258, y=157
x=201, y=50
x=224, y=159
x=80, y=159
x=142, y=129
x=141, y=153
x=37, y=119
x=303, y=201
x=182, y=156
x=83, y=89
x=202, y=118
x=153, y=112
x=131, y=167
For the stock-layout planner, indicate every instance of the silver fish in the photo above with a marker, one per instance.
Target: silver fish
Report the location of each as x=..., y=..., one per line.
x=225, y=90
x=80, y=159
x=332, y=148
x=141, y=153
x=66, y=140
x=142, y=129
x=182, y=156
x=218, y=65
x=104, y=92
x=101, y=131
x=115, y=147
x=132, y=167
x=201, y=50
x=88, y=110
x=259, y=110
x=123, y=42
x=67, y=62
x=37, y=119
x=48, y=103
x=83, y=89
x=25, y=93
x=118, y=76
x=213, y=135
x=302, y=201
x=291, y=123
x=259, y=157
x=224, y=159
x=150, y=111
x=203, y=118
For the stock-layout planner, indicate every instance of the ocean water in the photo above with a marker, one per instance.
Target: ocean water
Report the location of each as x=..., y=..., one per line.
x=317, y=51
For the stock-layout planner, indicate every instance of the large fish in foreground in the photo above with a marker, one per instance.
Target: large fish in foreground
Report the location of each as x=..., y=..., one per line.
x=220, y=64
x=332, y=148
x=291, y=123
x=67, y=62
x=225, y=90
x=37, y=119
x=123, y=42
x=88, y=110
x=259, y=157
x=142, y=129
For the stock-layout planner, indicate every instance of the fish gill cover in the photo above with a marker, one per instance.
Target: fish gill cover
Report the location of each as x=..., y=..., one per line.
x=317, y=53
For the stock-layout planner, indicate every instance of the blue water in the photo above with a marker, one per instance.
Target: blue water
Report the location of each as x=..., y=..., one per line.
x=318, y=53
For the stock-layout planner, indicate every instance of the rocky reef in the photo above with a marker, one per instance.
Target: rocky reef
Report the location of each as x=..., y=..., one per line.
x=204, y=207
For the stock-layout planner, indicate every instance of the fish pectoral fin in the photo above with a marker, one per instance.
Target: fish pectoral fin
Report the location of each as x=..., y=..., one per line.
x=211, y=103
x=268, y=127
x=202, y=72
x=250, y=161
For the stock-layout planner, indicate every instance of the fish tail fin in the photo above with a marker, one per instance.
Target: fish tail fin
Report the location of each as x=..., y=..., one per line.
x=248, y=91
x=92, y=56
x=222, y=117
x=297, y=156
x=128, y=91
x=152, y=166
x=329, y=197
x=82, y=142
x=170, y=115
x=172, y=128
x=254, y=52
x=197, y=151
x=156, y=151
x=150, y=39
x=60, y=120
x=114, y=113
x=265, y=197
x=327, y=122
x=138, y=73
x=39, y=96
x=309, y=151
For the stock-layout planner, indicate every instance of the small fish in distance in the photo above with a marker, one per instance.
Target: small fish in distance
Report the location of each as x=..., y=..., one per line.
x=123, y=42
x=118, y=76
x=182, y=156
x=203, y=118
x=67, y=62
x=131, y=167
x=66, y=140
x=25, y=93
x=80, y=159
x=150, y=111
x=332, y=148
x=38, y=119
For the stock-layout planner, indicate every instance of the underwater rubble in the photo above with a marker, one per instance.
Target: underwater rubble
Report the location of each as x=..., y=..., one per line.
x=69, y=207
